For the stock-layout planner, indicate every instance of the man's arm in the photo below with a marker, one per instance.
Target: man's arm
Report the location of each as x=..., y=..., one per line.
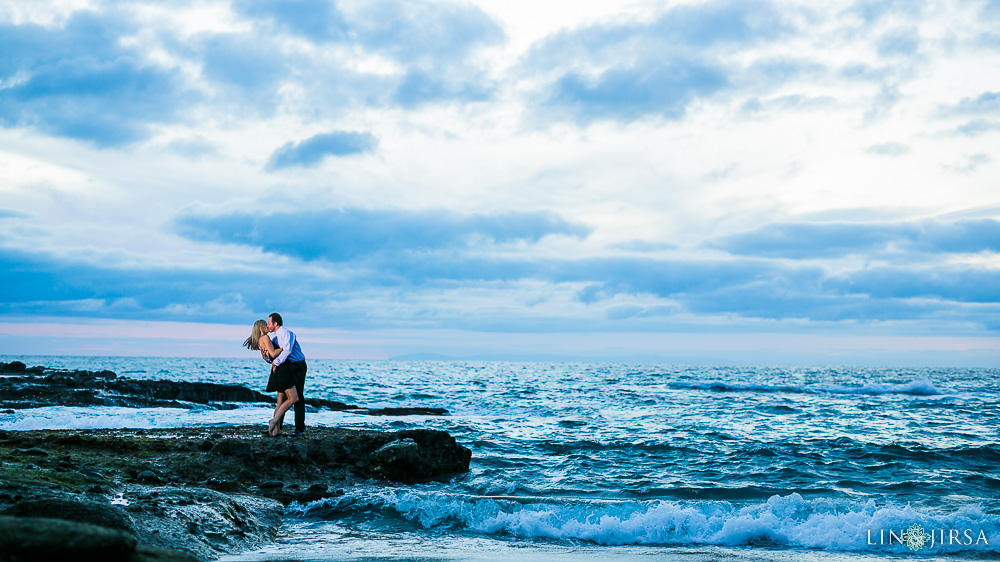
x=284, y=338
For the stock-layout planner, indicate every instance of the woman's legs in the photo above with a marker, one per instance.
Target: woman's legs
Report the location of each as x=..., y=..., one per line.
x=282, y=398
x=274, y=426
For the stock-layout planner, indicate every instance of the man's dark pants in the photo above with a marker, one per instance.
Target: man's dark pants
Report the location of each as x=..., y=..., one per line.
x=298, y=371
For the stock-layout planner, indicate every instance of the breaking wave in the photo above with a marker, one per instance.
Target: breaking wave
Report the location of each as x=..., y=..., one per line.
x=782, y=521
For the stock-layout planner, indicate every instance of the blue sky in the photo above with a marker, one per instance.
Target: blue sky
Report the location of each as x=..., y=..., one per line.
x=680, y=181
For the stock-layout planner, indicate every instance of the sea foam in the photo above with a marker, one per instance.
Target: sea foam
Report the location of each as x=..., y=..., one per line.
x=781, y=521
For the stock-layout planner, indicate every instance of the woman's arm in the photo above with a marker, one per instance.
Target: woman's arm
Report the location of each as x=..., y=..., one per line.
x=267, y=348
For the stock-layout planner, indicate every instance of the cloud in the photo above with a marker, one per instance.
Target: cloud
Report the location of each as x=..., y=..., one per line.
x=892, y=149
x=627, y=71
x=11, y=214
x=193, y=147
x=243, y=67
x=345, y=234
x=81, y=82
x=823, y=240
x=977, y=127
x=903, y=42
x=417, y=31
x=318, y=20
x=874, y=11
x=644, y=246
x=970, y=164
x=388, y=279
x=432, y=42
x=419, y=87
x=960, y=284
x=630, y=94
x=408, y=31
x=313, y=150
x=987, y=103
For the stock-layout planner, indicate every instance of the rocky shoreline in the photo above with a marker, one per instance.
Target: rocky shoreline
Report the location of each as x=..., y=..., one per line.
x=35, y=387
x=185, y=493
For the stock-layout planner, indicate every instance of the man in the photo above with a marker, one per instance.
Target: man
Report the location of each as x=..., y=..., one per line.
x=291, y=358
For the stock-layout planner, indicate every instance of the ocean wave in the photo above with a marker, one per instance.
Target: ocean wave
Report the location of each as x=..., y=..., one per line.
x=918, y=387
x=782, y=521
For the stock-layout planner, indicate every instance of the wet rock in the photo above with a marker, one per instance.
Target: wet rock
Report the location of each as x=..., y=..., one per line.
x=233, y=448
x=102, y=514
x=148, y=477
x=271, y=485
x=38, y=386
x=34, y=387
x=203, y=522
x=396, y=456
x=33, y=452
x=210, y=513
x=223, y=485
x=23, y=538
x=91, y=473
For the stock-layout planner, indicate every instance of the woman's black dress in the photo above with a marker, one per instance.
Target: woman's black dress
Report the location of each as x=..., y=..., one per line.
x=281, y=378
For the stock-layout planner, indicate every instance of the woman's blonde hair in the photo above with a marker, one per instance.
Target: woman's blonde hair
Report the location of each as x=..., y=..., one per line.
x=253, y=342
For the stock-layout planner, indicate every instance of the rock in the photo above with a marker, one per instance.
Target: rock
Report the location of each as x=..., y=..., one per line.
x=148, y=477
x=37, y=538
x=40, y=386
x=203, y=522
x=91, y=474
x=233, y=448
x=223, y=485
x=34, y=452
x=195, y=516
x=403, y=452
x=421, y=454
x=102, y=514
x=23, y=538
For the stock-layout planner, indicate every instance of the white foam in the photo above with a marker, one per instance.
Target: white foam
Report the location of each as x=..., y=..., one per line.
x=785, y=521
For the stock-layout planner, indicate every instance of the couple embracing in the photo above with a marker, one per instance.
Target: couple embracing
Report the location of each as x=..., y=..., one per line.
x=279, y=347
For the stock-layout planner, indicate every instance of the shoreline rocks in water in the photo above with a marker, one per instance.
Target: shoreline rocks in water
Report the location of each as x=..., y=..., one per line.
x=179, y=493
x=23, y=387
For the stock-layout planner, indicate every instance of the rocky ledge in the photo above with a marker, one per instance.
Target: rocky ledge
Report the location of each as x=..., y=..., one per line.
x=181, y=494
x=194, y=492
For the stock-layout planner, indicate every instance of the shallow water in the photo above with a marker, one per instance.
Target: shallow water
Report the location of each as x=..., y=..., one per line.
x=634, y=460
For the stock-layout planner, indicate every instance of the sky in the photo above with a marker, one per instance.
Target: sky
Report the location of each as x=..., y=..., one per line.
x=684, y=181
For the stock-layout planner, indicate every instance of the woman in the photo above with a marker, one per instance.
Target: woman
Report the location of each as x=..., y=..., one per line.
x=280, y=381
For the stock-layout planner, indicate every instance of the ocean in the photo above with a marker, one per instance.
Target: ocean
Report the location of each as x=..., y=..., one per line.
x=633, y=462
